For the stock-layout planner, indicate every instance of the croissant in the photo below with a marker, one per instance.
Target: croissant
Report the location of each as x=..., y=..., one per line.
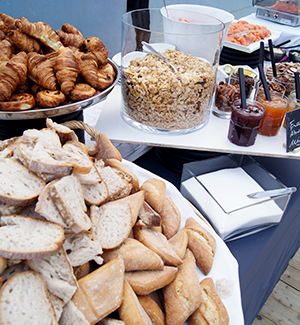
x=2, y=35
x=68, y=28
x=8, y=22
x=96, y=46
x=66, y=69
x=70, y=39
x=40, y=70
x=5, y=51
x=23, y=41
x=88, y=66
x=12, y=74
x=41, y=31
x=52, y=57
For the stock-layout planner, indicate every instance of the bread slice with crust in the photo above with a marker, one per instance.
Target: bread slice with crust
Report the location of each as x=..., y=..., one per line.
x=112, y=221
x=24, y=300
x=22, y=188
x=67, y=194
x=72, y=315
x=27, y=238
x=65, y=134
x=57, y=273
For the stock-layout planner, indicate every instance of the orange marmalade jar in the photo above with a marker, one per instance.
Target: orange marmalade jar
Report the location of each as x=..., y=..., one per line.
x=274, y=115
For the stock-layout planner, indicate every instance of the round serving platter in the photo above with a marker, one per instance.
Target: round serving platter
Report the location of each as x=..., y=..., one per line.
x=61, y=110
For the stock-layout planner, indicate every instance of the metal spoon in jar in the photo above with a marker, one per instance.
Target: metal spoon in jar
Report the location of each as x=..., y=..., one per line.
x=149, y=49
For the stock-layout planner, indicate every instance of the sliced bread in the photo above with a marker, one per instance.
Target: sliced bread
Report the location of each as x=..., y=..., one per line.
x=81, y=248
x=18, y=185
x=57, y=273
x=47, y=208
x=67, y=194
x=65, y=134
x=111, y=223
x=24, y=300
x=27, y=238
x=72, y=315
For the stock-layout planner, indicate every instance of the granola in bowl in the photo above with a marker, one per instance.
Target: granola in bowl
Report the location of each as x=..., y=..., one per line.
x=156, y=96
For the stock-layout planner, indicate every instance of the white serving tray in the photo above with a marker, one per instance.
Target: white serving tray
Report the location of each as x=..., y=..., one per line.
x=225, y=265
x=256, y=45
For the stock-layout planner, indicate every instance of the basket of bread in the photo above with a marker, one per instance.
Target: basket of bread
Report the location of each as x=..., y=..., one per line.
x=46, y=73
x=88, y=238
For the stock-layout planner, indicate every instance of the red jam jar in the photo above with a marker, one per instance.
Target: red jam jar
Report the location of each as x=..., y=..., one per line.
x=245, y=122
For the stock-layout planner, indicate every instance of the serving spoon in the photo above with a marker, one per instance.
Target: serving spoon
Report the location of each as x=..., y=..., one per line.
x=149, y=49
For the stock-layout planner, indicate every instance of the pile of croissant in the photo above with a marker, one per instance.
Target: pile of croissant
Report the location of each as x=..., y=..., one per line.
x=43, y=68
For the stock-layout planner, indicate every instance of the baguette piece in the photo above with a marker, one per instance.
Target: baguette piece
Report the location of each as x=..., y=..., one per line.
x=149, y=217
x=202, y=244
x=170, y=217
x=57, y=273
x=145, y=282
x=72, y=315
x=131, y=311
x=27, y=238
x=111, y=321
x=154, y=193
x=81, y=302
x=105, y=148
x=212, y=310
x=67, y=194
x=22, y=188
x=136, y=256
x=103, y=288
x=184, y=295
x=24, y=300
x=179, y=242
x=152, y=309
x=158, y=243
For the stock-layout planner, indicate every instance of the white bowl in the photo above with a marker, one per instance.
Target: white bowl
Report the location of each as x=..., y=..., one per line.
x=194, y=33
x=225, y=16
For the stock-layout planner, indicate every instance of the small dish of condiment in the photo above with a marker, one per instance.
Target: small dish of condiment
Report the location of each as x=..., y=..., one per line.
x=279, y=54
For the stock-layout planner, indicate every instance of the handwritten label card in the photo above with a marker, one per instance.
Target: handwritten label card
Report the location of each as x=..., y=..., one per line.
x=292, y=130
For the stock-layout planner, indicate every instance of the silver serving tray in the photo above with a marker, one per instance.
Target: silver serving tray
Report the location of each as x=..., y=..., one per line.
x=61, y=110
